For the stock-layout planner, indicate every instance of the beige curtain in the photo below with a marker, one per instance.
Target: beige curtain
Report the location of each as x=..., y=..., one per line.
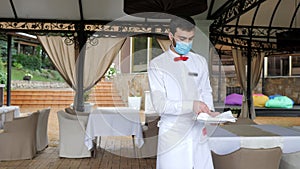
x=62, y=56
x=97, y=59
x=240, y=62
x=164, y=43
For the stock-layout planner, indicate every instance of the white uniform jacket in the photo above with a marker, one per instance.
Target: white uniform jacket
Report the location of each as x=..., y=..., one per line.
x=174, y=86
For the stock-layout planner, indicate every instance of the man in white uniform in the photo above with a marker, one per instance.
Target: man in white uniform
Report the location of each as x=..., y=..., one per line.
x=180, y=90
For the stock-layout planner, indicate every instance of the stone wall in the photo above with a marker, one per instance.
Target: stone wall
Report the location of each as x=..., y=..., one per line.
x=286, y=86
x=22, y=84
x=219, y=86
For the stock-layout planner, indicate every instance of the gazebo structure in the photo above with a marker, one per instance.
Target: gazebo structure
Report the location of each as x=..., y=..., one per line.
x=252, y=26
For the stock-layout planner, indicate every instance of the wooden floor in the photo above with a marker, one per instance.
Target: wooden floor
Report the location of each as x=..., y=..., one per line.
x=114, y=153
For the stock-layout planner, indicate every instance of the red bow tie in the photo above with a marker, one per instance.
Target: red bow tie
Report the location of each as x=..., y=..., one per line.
x=183, y=58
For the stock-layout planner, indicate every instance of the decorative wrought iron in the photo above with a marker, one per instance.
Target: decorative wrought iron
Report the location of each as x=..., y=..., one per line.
x=94, y=30
x=120, y=28
x=233, y=10
x=262, y=37
x=27, y=26
x=243, y=42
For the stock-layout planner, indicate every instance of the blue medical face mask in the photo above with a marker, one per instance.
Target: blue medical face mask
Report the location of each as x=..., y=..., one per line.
x=183, y=48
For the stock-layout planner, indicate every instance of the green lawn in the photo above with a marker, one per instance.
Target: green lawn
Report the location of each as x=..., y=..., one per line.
x=45, y=75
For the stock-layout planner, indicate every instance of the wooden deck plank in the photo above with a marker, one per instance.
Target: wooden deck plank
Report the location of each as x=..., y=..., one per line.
x=108, y=157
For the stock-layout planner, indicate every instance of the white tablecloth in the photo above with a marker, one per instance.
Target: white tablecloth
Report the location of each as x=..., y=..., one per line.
x=5, y=109
x=115, y=121
x=223, y=142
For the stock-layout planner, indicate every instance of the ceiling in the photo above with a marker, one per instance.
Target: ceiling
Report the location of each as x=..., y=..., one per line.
x=108, y=10
x=234, y=21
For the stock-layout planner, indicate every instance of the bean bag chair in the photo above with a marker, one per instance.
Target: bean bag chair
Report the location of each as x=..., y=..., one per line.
x=234, y=99
x=273, y=96
x=280, y=102
x=259, y=100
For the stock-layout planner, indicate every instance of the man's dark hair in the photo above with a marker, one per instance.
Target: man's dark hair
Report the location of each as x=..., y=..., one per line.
x=184, y=23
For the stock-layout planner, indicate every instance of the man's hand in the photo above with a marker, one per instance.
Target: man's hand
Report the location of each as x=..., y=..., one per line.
x=201, y=107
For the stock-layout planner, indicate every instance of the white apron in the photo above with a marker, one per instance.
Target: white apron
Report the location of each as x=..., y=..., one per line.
x=183, y=146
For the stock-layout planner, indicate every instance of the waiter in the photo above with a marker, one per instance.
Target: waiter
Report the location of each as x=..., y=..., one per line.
x=180, y=90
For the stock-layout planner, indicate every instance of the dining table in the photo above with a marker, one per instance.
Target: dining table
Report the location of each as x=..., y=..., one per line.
x=225, y=139
x=5, y=109
x=114, y=121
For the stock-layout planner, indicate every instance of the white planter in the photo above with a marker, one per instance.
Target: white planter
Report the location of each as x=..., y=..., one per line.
x=135, y=102
x=88, y=107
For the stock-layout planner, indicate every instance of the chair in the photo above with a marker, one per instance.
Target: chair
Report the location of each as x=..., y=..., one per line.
x=42, y=129
x=248, y=159
x=10, y=115
x=18, y=139
x=290, y=161
x=150, y=134
x=71, y=135
x=150, y=129
x=71, y=111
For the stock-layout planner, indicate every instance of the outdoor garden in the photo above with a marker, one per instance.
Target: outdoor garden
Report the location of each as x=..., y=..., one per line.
x=28, y=66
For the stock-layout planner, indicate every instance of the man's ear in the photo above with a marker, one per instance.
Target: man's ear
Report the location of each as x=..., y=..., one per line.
x=171, y=36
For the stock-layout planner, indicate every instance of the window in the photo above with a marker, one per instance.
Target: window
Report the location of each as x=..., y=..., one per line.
x=282, y=65
x=295, y=65
x=143, y=50
x=139, y=55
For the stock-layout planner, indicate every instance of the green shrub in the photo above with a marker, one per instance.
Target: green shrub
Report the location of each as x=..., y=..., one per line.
x=28, y=62
x=17, y=65
x=3, y=77
x=47, y=64
x=3, y=74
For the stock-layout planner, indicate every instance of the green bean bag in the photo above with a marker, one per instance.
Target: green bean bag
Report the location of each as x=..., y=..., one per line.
x=280, y=102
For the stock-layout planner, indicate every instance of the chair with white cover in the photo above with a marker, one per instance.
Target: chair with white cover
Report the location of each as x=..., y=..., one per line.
x=150, y=129
x=71, y=135
x=42, y=129
x=248, y=159
x=6, y=116
x=10, y=115
x=18, y=139
x=71, y=111
x=290, y=161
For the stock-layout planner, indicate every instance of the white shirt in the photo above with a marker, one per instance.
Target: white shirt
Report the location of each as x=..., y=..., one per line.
x=175, y=85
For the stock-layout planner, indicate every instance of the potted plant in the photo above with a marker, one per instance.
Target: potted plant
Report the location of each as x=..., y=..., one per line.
x=88, y=106
x=135, y=94
x=111, y=72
